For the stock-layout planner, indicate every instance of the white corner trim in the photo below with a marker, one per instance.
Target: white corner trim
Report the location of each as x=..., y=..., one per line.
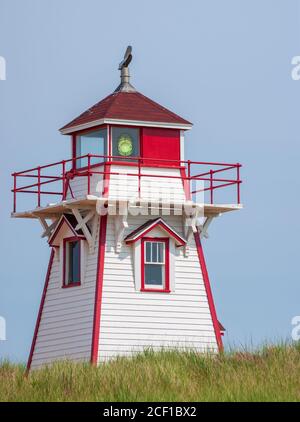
x=137, y=262
x=172, y=275
x=182, y=145
x=125, y=122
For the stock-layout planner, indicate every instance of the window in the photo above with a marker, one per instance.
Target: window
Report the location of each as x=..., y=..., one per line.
x=125, y=142
x=71, y=262
x=91, y=143
x=155, y=264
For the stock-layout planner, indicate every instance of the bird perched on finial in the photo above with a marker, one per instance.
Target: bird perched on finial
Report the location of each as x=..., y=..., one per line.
x=127, y=58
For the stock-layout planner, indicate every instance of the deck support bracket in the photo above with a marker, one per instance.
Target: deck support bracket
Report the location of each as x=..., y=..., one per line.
x=121, y=224
x=82, y=225
x=204, y=227
x=190, y=224
x=48, y=228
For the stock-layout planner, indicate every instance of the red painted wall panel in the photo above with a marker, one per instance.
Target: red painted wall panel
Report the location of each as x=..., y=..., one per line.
x=160, y=143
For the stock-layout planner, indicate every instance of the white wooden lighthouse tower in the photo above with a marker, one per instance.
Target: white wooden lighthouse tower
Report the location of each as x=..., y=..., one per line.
x=124, y=217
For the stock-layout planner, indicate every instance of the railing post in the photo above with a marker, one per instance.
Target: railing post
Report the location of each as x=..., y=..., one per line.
x=39, y=186
x=139, y=178
x=189, y=178
x=238, y=183
x=63, y=179
x=15, y=192
x=211, y=187
x=89, y=174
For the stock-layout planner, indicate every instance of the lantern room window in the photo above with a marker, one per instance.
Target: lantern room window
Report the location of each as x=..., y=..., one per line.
x=155, y=264
x=125, y=142
x=71, y=262
x=93, y=143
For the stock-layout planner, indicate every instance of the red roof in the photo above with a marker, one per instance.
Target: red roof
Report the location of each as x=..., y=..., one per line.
x=126, y=106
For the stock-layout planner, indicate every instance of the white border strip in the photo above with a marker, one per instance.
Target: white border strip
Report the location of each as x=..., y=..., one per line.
x=124, y=122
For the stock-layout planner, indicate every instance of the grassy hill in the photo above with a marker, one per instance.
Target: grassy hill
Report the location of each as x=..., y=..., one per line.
x=272, y=374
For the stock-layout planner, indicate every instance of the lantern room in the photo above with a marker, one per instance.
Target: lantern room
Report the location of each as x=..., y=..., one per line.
x=125, y=126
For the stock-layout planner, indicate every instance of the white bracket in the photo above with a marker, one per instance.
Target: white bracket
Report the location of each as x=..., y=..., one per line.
x=204, y=227
x=48, y=228
x=121, y=225
x=82, y=225
x=189, y=228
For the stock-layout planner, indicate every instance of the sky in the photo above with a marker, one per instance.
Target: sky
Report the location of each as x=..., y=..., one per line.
x=226, y=67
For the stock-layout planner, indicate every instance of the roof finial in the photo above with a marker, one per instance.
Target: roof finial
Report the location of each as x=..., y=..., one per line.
x=125, y=85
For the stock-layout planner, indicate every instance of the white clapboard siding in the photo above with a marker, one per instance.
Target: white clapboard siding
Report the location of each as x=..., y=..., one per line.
x=132, y=321
x=123, y=185
x=79, y=185
x=66, y=324
x=152, y=188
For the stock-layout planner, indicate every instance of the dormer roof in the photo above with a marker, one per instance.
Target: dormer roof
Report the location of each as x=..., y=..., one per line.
x=66, y=222
x=145, y=228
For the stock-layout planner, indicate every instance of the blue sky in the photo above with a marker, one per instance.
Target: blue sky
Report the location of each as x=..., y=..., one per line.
x=225, y=66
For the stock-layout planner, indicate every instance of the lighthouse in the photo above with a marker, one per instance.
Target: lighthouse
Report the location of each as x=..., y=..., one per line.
x=125, y=217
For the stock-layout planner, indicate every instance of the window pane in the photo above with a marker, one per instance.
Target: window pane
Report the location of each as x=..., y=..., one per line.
x=91, y=143
x=73, y=262
x=148, y=252
x=160, y=252
x=125, y=142
x=154, y=252
x=154, y=275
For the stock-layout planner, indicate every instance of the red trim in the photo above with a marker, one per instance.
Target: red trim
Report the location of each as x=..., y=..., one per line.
x=161, y=143
x=74, y=146
x=38, y=320
x=100, y=271
x=114, y=159
x=208, y=291
x=134, y=163
x=65, y=241
x=66, y=286
x=63, y=220
x=167, y=265
x=90, y=129
x=186, y=184
x=99, y=289
x=164, y=227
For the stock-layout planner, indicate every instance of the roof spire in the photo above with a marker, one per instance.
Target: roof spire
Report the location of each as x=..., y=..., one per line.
x=125, y=85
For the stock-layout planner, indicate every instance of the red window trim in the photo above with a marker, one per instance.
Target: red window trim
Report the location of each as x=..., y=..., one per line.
x=167, y=265
x=123, y=161
x=144, y=163
x=74, y=145
x=65, y=241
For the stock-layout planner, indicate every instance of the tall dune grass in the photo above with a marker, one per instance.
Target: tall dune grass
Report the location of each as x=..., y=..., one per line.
x=271, y=374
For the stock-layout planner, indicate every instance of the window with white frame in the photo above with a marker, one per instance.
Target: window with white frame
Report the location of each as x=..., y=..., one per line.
x=155, y=264
x=71, y=262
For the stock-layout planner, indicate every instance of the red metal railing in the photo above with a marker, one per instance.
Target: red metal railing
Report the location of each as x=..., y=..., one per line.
x=66, y=170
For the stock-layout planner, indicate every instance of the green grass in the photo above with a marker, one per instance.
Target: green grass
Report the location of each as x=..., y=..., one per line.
x=271, y=374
